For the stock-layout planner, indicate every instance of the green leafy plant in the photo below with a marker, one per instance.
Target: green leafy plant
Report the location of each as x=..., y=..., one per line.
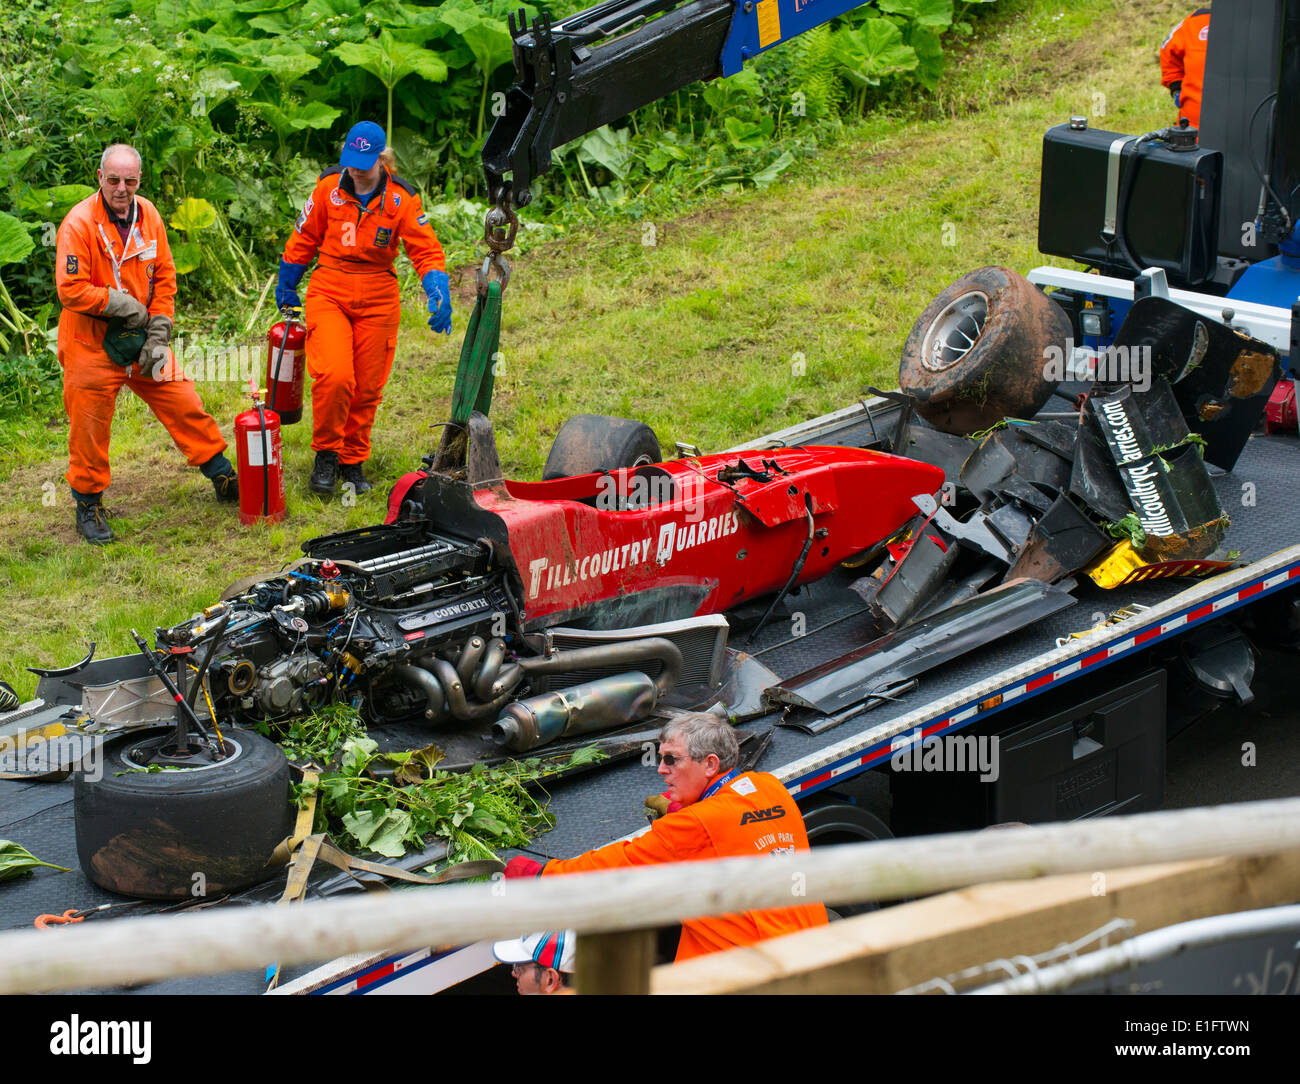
x=192, y=217
x=487, y=39
x=870, y=53
x=317, y=738
x=389, y=803
x=16, y=861
x=1128, y=528
x=153, y=769
x=16, y=245
x=29, y=382
x=390, y=61
x=241, y=104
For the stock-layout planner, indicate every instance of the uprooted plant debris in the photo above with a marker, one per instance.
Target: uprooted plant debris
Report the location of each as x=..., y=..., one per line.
x=390, y=803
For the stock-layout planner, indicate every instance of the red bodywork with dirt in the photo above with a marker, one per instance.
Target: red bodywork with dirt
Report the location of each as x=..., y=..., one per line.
x=577, y=541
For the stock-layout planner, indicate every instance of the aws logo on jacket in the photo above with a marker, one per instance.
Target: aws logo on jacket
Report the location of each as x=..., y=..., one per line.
x=740, y=814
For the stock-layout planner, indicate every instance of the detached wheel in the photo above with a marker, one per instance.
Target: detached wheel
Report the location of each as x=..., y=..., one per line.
x=588, y=443
x=164, y=834
x=980, y=352
x=838, y=822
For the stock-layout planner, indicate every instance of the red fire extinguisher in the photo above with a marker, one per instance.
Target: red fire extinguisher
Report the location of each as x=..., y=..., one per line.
x=286, y=363
x=260, y=465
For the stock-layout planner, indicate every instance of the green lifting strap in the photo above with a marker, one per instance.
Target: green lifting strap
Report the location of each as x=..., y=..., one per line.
x=474, y=374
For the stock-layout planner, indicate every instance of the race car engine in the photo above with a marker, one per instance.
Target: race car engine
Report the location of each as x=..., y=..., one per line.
x=424, y=630
x=427, y=632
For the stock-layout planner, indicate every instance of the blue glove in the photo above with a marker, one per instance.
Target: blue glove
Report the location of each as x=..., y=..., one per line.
x=286, y=292
x=438, y=289
x=1291, y=246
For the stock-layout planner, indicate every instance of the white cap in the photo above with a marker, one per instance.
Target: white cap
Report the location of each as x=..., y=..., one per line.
x=554, y=949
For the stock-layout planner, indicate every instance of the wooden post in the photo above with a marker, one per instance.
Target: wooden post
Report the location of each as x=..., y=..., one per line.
x=615, y=963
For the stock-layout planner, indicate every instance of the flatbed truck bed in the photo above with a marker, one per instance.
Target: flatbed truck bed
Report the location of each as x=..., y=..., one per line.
x=978, y=691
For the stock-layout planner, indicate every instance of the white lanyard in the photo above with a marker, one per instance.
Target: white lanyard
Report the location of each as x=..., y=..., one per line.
x=112, y=258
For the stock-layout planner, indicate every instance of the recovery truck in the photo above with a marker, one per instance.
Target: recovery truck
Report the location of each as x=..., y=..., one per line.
x=1081, y=690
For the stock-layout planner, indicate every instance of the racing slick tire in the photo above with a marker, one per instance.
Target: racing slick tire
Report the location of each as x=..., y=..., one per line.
x=588, y=443
x=980, y=352
x=175, y=834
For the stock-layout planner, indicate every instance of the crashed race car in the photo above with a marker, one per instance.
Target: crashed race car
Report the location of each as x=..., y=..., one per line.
x=437, y=616
x=490, y=616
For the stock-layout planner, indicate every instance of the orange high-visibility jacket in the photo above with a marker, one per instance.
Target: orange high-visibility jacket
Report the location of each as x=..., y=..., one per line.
x=363, y=240
x=1182, y=59
x=90, y=258
x=751, y=814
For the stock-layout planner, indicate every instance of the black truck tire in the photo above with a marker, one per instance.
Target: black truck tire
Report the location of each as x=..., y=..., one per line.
x=176, y=834
x=831, y=823
x=980, y=352
x=588, y=443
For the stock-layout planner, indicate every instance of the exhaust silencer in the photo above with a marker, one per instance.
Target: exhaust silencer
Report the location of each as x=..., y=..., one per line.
x=582, y=709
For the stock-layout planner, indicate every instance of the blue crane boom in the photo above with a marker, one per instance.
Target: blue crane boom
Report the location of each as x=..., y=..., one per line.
x=576, y=74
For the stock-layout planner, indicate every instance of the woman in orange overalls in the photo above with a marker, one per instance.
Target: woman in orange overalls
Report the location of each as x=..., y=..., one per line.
x=352, y=224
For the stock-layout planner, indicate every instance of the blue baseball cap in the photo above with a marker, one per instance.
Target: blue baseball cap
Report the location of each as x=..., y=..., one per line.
x=362, y=147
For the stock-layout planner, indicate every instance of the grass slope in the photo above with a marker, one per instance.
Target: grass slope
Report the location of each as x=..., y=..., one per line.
x=747, y=313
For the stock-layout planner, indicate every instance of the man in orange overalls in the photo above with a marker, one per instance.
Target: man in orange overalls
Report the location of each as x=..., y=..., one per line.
x=353, y=221
x=717, y=811
x=1182, y=64
x=115, y=276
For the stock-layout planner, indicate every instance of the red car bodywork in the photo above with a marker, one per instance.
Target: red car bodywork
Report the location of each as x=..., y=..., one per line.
x=577, y=541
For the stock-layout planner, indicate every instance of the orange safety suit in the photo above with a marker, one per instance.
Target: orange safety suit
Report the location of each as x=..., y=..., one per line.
x=1182, y=60
x=352, y=304
x=91, y=258
x=751, y=813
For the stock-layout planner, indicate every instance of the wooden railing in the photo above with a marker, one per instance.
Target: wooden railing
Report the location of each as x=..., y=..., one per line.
x=616, y=912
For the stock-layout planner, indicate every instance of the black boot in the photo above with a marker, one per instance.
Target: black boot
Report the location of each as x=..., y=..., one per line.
x=352, y=476
x=91, y=524
x=221, y=474
x=325, y=474
x=227, y=487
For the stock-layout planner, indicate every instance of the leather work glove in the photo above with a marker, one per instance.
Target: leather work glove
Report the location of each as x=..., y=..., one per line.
x=123, y=305
x=286, y=290
x=660, y=805
x=156, y=340
x=520, y=866
x=1176, y=90
x=438, y=290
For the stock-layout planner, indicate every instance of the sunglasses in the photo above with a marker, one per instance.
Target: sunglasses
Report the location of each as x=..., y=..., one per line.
x=673, y=758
